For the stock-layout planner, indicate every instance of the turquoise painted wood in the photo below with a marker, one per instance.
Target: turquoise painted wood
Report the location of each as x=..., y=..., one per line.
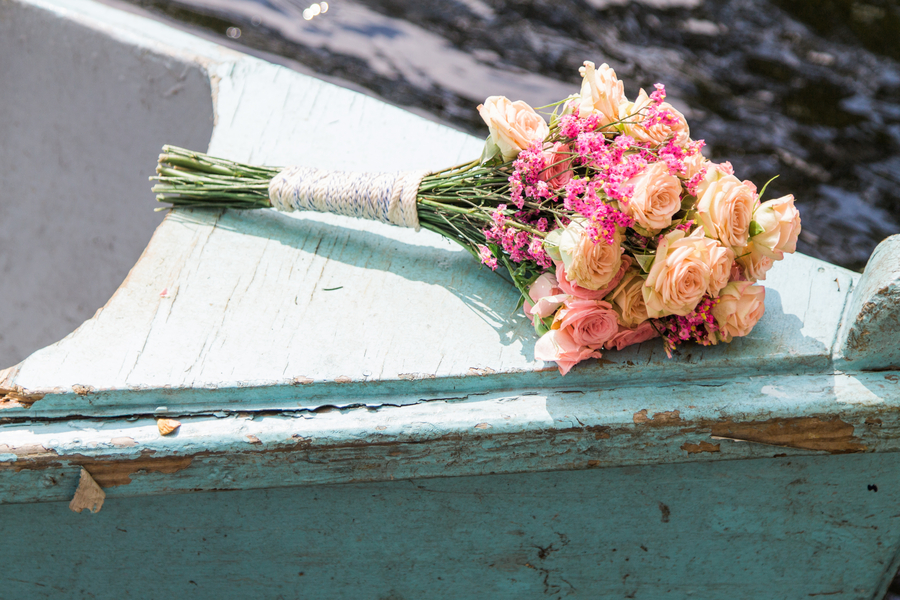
x=784, y=528
x=395, y=438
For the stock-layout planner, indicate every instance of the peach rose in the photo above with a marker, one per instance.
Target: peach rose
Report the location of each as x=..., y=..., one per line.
x=558, y=346
x=753, y=262
x=656, y=197
x=591, y=323
x=626, y=337
x=601, y=93
x=740, y=306
x=589, y=264
x=721, y=259
x=634, y=115
x=725, y=208
x=628, y=300
x=780, y=222
x=577, y=291
x=559, y=165
x=514, y=125
x=685, y=268
x=694, y=164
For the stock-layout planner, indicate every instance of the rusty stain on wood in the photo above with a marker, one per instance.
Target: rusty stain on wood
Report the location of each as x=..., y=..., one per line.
x=809, y=433
x=342, y=379
x=700, y=447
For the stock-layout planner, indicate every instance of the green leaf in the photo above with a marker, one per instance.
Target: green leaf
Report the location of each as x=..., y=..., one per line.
x=491, y=150
x=645, y=260
x=755, y=228
x=644, y=232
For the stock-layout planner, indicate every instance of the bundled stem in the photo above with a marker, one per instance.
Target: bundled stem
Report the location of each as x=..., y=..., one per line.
x=458, y=203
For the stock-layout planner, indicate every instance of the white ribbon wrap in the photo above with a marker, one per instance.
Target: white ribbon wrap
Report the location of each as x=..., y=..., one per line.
x=386, y=197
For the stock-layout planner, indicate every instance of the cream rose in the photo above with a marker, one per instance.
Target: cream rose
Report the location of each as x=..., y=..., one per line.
x=513, y=125
x=754, y=263
x=780, y=222
x=656, y=197
x=725, y=208
x=628, y=300
x=634, y=115
x=589, y=264
x=684, y=269
x=601, y=93
x=740, y=306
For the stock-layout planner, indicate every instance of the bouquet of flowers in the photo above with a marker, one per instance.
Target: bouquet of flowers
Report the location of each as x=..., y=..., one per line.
x=605, y=216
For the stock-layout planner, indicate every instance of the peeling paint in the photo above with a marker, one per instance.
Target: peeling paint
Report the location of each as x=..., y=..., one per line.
x=106, y=472
x=699, y=447
x=660, y=419
x=810, y=433
x=17, y=397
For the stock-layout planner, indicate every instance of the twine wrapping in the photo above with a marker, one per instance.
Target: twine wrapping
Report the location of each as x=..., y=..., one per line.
x=386, y=197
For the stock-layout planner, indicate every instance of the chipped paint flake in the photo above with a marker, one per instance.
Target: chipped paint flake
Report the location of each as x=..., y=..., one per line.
x=89, y=495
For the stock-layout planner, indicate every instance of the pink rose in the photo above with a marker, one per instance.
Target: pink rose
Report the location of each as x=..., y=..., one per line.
x=754, y=263
x=588, y=263
x=513, y=125
x=656, y=197
x=577, y=291
x=591, y=323
x=627, y=337
x=546, y=297
x=601, y=93
x=558, y=346
x=681, y=274
x=628, y=300
x=780, y=222
x=725, y=208
x=657, y=133
x=559, y=165
x=740, y=306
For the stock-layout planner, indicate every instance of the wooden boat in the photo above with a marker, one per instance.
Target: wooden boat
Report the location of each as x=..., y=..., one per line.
x=360, y=416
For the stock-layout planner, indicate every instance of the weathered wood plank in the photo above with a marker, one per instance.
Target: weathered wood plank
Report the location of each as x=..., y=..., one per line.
x=477, y=434
x=814, y=528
